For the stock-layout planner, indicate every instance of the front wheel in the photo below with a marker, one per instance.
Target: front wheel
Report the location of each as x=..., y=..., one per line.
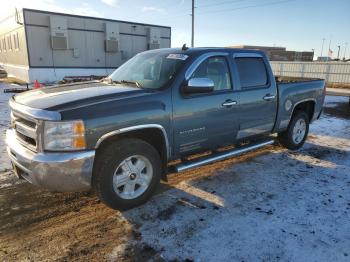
x=295, y=135
x=127, y=173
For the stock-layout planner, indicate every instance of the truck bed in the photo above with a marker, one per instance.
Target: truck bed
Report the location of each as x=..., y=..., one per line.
x=291, y=79
x=294, y=90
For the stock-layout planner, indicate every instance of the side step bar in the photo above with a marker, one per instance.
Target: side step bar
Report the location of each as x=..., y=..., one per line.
x=221, y=156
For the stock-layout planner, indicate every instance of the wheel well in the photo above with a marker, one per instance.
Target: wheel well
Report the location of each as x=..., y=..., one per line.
x=308, y=107
x=153, y=136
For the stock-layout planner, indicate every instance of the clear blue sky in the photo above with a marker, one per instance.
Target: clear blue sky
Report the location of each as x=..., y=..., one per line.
x=297, y=25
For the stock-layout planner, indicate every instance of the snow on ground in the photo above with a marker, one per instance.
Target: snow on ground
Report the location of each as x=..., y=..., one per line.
x=289, y=206
x=6, y=178
x=4, y=124
x=332, y=101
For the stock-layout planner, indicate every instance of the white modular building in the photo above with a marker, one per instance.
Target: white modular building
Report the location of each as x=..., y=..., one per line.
x=48, y=46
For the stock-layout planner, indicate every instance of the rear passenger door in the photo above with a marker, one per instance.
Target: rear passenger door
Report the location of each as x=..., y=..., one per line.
x=258, y=95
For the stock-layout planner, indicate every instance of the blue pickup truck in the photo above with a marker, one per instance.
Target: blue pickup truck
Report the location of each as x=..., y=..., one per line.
x=118, y=135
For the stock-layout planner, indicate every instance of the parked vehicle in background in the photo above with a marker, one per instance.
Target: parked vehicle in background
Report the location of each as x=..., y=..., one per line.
x=119, y=134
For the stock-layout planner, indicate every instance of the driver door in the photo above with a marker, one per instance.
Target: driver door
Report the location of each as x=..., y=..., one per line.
x=206, y=121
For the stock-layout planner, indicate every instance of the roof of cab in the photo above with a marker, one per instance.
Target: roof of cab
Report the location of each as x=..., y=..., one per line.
x=197, y=50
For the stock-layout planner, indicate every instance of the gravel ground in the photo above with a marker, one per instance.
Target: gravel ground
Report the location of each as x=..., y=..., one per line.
x=268, y=205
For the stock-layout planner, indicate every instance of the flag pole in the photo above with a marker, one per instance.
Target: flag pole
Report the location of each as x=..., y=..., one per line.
x=329, y=48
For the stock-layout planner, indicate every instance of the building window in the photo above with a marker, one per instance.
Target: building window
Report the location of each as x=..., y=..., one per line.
x=16, y=41
x=9, y=43
x=4, y=44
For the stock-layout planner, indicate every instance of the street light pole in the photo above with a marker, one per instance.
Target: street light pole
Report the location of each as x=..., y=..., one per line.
x=323, y=39
x=192, y=39
x=344, y=56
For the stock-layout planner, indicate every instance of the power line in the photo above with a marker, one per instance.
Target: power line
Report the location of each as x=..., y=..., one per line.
x=231, y=9
x=249, y=6
x=220, y=3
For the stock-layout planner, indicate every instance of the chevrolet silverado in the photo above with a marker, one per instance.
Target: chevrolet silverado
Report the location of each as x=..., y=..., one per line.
x=118, y=135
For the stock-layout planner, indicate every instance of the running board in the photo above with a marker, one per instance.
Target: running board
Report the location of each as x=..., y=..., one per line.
x=220, y=156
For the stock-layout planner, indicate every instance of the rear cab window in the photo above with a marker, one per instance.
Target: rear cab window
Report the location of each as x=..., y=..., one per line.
x=252, y=72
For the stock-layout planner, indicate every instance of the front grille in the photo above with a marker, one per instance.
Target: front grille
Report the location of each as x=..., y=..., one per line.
x=26, y=131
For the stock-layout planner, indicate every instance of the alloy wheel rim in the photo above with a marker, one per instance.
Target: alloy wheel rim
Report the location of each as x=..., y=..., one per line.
x=299, y=131
x=132, y=177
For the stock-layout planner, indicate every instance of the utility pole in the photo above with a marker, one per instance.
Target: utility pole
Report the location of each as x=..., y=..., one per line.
x=192, y=39
x=323, y=39
x=338, y=52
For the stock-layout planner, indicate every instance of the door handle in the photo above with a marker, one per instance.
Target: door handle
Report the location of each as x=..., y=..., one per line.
x=269, y=97
x=228, y=103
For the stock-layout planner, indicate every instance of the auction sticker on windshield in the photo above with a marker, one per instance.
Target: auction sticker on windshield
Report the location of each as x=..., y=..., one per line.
x=177, y=56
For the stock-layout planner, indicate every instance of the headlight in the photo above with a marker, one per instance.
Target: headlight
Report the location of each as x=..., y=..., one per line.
x=64, y=135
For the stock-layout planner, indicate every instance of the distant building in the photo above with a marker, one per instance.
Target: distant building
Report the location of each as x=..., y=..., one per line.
x=48, y=46
x=324, y=58
x=280, y=53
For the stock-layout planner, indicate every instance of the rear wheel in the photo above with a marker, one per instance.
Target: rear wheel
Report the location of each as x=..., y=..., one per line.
x=126, y=173
x=297, y=131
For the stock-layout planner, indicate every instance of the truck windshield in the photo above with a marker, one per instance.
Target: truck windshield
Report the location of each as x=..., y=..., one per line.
x=149, y=70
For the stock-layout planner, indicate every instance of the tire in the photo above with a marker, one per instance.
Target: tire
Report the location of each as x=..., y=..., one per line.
x=119, y=178
x=292, y=140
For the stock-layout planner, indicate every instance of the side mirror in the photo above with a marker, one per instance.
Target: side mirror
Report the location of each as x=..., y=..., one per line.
x=199, y=85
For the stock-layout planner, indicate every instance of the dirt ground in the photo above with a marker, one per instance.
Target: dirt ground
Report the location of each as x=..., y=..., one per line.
x=38, y=225
x=338, y=85
x=269, y=205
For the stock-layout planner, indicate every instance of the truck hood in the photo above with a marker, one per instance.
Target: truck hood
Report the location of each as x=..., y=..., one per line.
x=75, y=95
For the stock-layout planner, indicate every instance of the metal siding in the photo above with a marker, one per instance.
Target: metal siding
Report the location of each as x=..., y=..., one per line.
x=36, y=18
x=95, y=50
x=93, y=24
x=164, y=43
x=126, y=47
x=65, y=57
x=38, y=40
x=132, y=29
x=139, y=44
x=165, y=32
x=88, y=35
x=114, y=59
x=75, y=22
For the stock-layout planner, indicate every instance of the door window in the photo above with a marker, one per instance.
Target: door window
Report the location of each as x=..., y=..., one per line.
x=216, y=69
x=252, y=72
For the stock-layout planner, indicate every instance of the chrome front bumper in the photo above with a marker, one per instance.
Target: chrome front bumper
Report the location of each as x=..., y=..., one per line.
x=68, y=171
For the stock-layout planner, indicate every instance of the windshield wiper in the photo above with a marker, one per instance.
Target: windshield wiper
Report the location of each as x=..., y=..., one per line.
x=106, y=79
x=131, y=82
x=109, y=80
